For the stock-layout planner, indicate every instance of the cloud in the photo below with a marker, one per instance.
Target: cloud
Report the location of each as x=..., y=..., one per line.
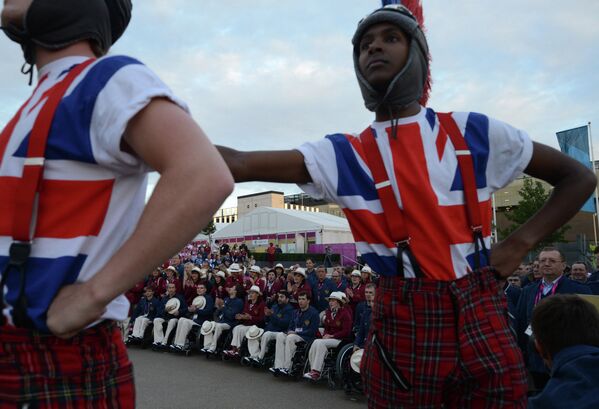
x=268, y=74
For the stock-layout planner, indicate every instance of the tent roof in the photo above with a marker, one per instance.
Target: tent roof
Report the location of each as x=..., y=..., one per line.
x=269, y=220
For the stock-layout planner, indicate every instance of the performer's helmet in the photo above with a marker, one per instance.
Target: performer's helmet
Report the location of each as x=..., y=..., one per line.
x=56, y=24
x=411, y=83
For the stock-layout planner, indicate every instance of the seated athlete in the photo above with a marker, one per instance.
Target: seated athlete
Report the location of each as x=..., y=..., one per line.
x=228, y=309
x=252, y=314
x=144, y=313
x=169, y=314
x=277, y=318
x=198, y=312
x=337, y=327
x=302, y=328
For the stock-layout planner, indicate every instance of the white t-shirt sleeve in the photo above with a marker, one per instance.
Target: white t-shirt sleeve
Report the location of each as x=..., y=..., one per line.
x=128, y=91
x=321, y=162
x=510, y=151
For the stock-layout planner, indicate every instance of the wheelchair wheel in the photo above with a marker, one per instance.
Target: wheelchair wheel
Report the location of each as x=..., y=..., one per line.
x=346, y=376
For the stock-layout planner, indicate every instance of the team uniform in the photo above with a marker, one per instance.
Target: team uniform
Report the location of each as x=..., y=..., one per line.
x=105, y=188
x=409, y=312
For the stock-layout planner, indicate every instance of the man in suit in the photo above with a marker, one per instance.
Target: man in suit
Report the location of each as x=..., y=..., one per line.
x=551, y=264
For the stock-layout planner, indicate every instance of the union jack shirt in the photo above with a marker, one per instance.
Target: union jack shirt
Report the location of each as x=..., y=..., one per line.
x=93, y=193
x=422, y=167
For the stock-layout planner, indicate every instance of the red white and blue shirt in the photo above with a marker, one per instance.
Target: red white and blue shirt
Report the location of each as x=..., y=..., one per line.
x=93, y=193
x=423, y=169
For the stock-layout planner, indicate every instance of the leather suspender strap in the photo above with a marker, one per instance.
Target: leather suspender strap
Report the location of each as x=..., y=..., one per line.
x=466, y=165
x=394, y=217
x=30, y=183
x=27, y=190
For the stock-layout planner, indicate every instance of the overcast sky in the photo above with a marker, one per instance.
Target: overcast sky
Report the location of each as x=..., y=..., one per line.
x=271, y=74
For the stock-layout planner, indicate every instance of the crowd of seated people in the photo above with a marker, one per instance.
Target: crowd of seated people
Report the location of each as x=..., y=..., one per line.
x=272, y=310
x=269, y=310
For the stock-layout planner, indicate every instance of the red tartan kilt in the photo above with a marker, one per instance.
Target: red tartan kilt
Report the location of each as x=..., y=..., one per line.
x=89, y=370
x=449, y=340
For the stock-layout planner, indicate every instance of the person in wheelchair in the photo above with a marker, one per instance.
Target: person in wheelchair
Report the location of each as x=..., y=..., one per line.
x=302, y=328
x=200, y=310
x=227, y=310
x=363, y=313
x=277, y=320
x=253, y=314
x=337, y=327
x=143, y=315
x=172, y=308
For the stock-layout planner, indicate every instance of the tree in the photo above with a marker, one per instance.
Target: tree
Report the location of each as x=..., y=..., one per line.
x=209, y=231
x=532, y=197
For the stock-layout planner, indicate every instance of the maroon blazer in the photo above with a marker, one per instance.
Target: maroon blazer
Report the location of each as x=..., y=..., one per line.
x=339, y=327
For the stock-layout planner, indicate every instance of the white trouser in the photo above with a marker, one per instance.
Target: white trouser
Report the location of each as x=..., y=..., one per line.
x=183, y=327
x=259, y=347
x=238, y=334
x=124, y=326
x=210, y=340
x=318, y=351
x=139, y=326
x=286, y=346
x=159, y=337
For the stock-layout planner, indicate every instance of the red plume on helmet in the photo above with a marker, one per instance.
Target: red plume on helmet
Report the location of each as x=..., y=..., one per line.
x=415, y=6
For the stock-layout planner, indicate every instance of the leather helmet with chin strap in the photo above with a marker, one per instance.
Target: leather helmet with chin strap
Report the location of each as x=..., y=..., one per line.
x=56, y=24
x=412, y=82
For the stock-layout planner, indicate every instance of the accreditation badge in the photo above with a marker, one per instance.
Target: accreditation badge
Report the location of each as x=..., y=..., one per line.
x=280, y=315
x=307, y=322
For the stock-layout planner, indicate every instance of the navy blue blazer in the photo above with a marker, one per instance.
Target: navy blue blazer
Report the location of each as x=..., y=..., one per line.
x=524, y=309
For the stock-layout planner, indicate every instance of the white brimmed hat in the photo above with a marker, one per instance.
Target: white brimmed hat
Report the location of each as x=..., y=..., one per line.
x=356, y=273
x=256, y=269
x=254, y=332
x=300, y=270
x=234, y=268
x=279, y=265
x=356, y=360
x=199, y=301
x=197, y=270
x=207, y=327
x=221, y=273
x=337, y=295
x=255, y=289
x=172, y=269
x=366, y=269
x=172, y=305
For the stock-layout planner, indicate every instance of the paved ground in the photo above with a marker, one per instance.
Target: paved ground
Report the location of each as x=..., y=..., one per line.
x=167, y=381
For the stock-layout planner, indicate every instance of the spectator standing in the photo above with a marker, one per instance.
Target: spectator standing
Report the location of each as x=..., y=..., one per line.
x=551, y=266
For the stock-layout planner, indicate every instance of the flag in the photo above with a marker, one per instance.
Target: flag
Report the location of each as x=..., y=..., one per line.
x=575, y=143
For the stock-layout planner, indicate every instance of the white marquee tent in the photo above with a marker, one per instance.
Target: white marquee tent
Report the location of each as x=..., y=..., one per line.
x=267, y=223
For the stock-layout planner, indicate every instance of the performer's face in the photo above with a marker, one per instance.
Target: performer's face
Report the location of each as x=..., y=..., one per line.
x=383, y=53
x=14, y=11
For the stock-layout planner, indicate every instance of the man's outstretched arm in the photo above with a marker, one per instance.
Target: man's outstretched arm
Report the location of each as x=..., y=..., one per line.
x=266, y=166
x=572, y=185
x=168, y=140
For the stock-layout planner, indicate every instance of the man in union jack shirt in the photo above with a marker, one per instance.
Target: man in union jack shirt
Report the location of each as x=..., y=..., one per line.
x=416, y=187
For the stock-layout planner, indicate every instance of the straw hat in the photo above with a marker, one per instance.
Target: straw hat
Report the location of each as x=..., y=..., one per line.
x=256, y=269
x=356, y=273
x=300, y=270
x=337, y=295
x=366, y=269
x=207, y=327
x=356, y=359
x=234, y=268
x=254, y=332
x=172, y=305
x=199, y=301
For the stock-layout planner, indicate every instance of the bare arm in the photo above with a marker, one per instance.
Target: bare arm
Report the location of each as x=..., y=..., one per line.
x=168, y=140
x=266, y=166
x=573, y=184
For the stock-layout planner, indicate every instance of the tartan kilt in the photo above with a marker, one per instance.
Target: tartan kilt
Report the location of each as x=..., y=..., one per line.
x=449, y=341
x=90, y=370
